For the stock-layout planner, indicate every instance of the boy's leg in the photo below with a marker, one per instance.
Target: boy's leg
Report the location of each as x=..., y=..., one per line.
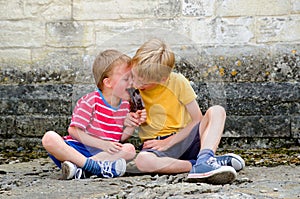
x=211, y=130
x=206, y=168
x=57, y=147
x=176, y=159
x=150, y=162
x=128, y=153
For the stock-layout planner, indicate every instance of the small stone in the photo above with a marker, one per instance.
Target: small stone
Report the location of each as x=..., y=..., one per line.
x=2, y=172
x=275, y=190
x=245, y=179
x=263, y=191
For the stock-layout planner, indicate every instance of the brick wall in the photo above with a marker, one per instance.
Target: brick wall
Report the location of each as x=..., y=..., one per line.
x=243, y=54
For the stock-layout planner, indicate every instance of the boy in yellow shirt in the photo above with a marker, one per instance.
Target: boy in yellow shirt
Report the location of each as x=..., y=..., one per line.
x=176, y=136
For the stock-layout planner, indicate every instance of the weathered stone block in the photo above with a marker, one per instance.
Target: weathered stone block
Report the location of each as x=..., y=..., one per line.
x=36, y=91
x=134, y=34
x=295, y=126
x=258, y=126
x=8, y=126
x=11, y=10
x=295, y=6
x=252, y=8
x=46, y=107
x=80, y=90
x=8, y=107
x=37, y=125
x=69, y=34
x=194, y=8
x=239, y=30
x=35, y=99
x=15, y=57
x=22, y=34
x=250, y=98
x=258, y=67
x=244, y=107
x=277, y=29
x=188, y=32
x=58, y=64
x=99, y=10
x=262, y=98
x=269, y=91
x=14, y=76
x=48, y=9
x=25, y=143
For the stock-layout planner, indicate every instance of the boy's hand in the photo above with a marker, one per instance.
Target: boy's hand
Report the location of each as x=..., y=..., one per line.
x=142, y=116
x=112, y=147
x=135, y=119
x=159, y=145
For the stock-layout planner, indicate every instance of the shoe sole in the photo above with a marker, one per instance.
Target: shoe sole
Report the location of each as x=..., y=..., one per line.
x=239, y=159
x=66, y=173
x=223, y=175
x=122, y=170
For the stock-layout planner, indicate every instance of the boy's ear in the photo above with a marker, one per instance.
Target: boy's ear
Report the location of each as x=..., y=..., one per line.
x=106, y=82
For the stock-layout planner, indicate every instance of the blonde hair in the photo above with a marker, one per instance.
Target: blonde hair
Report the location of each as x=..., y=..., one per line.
x=104, y=64
x=153, y=61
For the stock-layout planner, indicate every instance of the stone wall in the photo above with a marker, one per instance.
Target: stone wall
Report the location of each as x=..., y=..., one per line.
x=243, y=54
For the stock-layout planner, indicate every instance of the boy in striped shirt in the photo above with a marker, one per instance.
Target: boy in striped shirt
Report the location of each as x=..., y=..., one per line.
x=93, y=146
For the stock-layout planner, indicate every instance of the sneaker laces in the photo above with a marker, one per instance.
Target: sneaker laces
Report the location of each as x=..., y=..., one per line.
x=213, y=162
x=79, y=174
x=106, y=167
x=224, y=160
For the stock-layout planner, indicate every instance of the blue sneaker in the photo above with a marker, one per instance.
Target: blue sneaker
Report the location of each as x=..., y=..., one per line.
x=68, y=170
x=113, y=169
x=81, y=174
x=232, y=160
x=71, y=171
x=211, y=172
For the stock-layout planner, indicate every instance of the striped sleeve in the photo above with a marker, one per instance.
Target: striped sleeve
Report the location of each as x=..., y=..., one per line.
x=83, y=112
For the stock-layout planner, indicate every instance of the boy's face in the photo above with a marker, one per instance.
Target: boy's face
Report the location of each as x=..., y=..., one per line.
x=140, y=84
x=120, y=80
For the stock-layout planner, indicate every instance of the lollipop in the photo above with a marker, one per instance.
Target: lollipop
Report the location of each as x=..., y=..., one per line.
x=136, y=102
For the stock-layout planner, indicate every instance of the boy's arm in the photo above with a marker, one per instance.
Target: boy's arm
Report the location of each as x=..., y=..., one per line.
x=196, y=116
x=132, y=121
x=161, y=145
x=89, y=140
x=127, y=133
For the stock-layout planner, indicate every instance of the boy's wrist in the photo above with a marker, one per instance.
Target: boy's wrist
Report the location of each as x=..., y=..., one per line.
x=130, y=127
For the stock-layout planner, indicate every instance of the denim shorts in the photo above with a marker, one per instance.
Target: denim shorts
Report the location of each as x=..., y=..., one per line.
x=187, y=149
x=87, y=151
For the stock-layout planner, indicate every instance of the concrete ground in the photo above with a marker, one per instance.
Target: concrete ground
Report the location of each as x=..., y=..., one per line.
x=40, y=178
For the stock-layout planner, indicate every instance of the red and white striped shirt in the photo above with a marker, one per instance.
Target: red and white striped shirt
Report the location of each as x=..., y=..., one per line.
x=98, y=118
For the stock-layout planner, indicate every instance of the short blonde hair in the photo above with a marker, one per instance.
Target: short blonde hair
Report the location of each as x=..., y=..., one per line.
x=153, y=61
x=104, y=64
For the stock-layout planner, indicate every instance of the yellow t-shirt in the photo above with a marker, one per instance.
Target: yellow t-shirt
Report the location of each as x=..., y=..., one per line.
x=165, y=106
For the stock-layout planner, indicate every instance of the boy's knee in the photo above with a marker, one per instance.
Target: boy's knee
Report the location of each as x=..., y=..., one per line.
x=217, y=109
x=48, y=138
x=130, y=150
x=142, y=161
